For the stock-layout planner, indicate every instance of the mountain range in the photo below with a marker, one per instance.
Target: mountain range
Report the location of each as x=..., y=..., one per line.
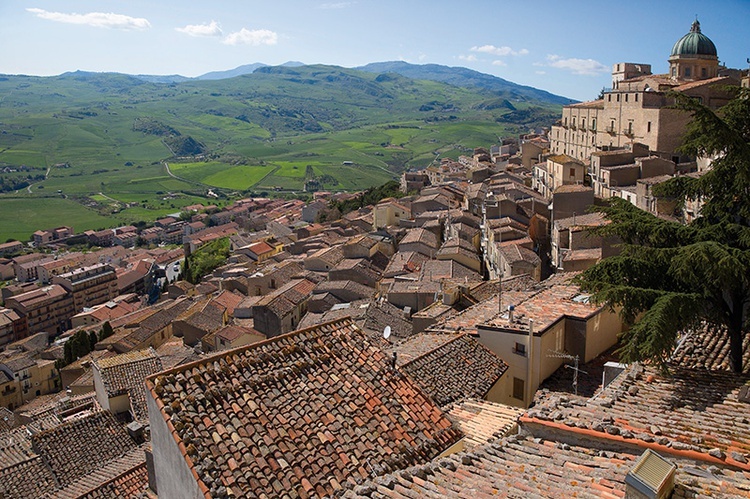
x=457, y=76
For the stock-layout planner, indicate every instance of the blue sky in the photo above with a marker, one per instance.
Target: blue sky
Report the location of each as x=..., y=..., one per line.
x=565, y=47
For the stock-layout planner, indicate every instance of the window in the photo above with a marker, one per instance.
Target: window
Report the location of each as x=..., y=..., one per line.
x=609, y=97
x=636, y=97
x=583, y=122
x=519, y=349
x=703, y=72
x=518, y=388
x=648, y=126
x=687, y=72
x=593, y=124
x=626, y=97
x=572, y=172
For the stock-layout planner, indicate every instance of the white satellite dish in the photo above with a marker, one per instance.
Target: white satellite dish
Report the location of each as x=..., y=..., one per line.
x=387, y=332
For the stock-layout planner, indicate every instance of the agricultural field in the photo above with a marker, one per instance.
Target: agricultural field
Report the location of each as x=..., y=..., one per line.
x=90, y=149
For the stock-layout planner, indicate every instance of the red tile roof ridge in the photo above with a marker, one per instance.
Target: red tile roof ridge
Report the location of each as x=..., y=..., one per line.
x=603, y=435
x=226, y=353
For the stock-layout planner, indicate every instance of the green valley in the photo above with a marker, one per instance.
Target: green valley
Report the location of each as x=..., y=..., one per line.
x=90, y=149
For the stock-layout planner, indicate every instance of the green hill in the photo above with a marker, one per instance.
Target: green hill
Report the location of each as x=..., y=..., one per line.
x=100, y=140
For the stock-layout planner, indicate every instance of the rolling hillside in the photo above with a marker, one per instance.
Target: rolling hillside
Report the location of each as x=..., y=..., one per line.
x=101, y=141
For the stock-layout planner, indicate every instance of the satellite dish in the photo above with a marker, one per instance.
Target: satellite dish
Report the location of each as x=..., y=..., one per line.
x=387, y=332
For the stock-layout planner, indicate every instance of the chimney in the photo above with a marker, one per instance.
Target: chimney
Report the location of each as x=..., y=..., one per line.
x=511, y=309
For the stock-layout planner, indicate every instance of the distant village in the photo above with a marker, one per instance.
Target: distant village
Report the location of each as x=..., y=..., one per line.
x=428, y=345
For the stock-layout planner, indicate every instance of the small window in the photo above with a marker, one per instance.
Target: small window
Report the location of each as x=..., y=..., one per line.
x=519, y=349
x=626, y=97
x=609, y=97
x=703, y=72
x=687, y=72
x=518, y=388
x=636, y=97
x=648, y=126
x=572, y=172
x=618, y=97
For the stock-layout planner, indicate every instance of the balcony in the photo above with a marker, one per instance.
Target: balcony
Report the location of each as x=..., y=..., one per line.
x=628, y=133
x=611, y=130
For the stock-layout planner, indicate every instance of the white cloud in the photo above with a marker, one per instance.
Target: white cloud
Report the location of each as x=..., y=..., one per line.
x=587, y=67
x=252, y=37
x=211, y=29
x=498, y=62
x=338, y=5
x=541, y=72
x=468, y=58
x=95, y=19
x=499, y=51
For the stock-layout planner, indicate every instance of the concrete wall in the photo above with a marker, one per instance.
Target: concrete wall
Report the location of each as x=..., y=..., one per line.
x=601, y=333
x=174, y=479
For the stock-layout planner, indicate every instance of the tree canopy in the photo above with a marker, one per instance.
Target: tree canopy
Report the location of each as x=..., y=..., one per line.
x=672, y=277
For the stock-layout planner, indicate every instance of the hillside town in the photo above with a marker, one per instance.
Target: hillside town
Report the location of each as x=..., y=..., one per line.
x=432, y=344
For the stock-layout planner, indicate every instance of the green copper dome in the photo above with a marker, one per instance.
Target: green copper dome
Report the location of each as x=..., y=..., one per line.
x=694, y=43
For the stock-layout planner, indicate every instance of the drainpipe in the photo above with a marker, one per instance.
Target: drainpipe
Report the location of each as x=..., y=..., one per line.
x=530, y=364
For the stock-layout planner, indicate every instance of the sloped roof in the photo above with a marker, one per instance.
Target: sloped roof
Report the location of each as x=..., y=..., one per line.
x=707, y=347
x=125, y=374
x=461, y=368
x=303, y=412
x=81, y=446
x=646, y=408
x=483, y=421
x=524, y=466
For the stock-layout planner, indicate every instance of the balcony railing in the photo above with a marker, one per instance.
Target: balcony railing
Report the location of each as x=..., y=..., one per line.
x=611, y=130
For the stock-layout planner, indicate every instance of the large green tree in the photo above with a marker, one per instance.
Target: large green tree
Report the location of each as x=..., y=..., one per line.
x=671, y=277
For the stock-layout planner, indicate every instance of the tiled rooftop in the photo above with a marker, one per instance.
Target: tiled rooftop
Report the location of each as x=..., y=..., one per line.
x=304, y=412
x=74, y=449
x=461, y=368
x=527, y=467
x=26, y=479
x=123, y=477
x=483, y=421
x=692, y=411
x=708, y=348
x=419, y=345
x=125, y=374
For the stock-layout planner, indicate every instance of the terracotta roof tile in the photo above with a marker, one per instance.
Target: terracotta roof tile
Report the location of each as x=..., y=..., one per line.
x=524, y=466
x=690, y=410
x=483, y=421
x=304, y=412
x=30, y=478
x=461, y=368
x=707, y=347
x=125, y=374
x=77, y=448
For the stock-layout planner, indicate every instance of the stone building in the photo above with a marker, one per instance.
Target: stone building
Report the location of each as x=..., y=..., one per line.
x=637, y=107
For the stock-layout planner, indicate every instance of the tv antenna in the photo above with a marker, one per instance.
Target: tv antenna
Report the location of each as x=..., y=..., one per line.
x=563, y=355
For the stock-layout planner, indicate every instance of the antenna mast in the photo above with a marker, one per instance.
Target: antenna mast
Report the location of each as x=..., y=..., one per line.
x=563, y=355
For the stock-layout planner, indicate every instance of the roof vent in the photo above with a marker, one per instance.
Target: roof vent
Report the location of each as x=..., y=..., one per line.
x=652, y=477
x=135, y=430
x=744, y=395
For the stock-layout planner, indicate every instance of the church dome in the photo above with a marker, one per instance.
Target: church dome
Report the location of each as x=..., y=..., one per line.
x=694, y=43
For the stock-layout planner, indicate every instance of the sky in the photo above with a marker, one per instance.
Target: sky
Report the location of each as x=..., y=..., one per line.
x=566, y=47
